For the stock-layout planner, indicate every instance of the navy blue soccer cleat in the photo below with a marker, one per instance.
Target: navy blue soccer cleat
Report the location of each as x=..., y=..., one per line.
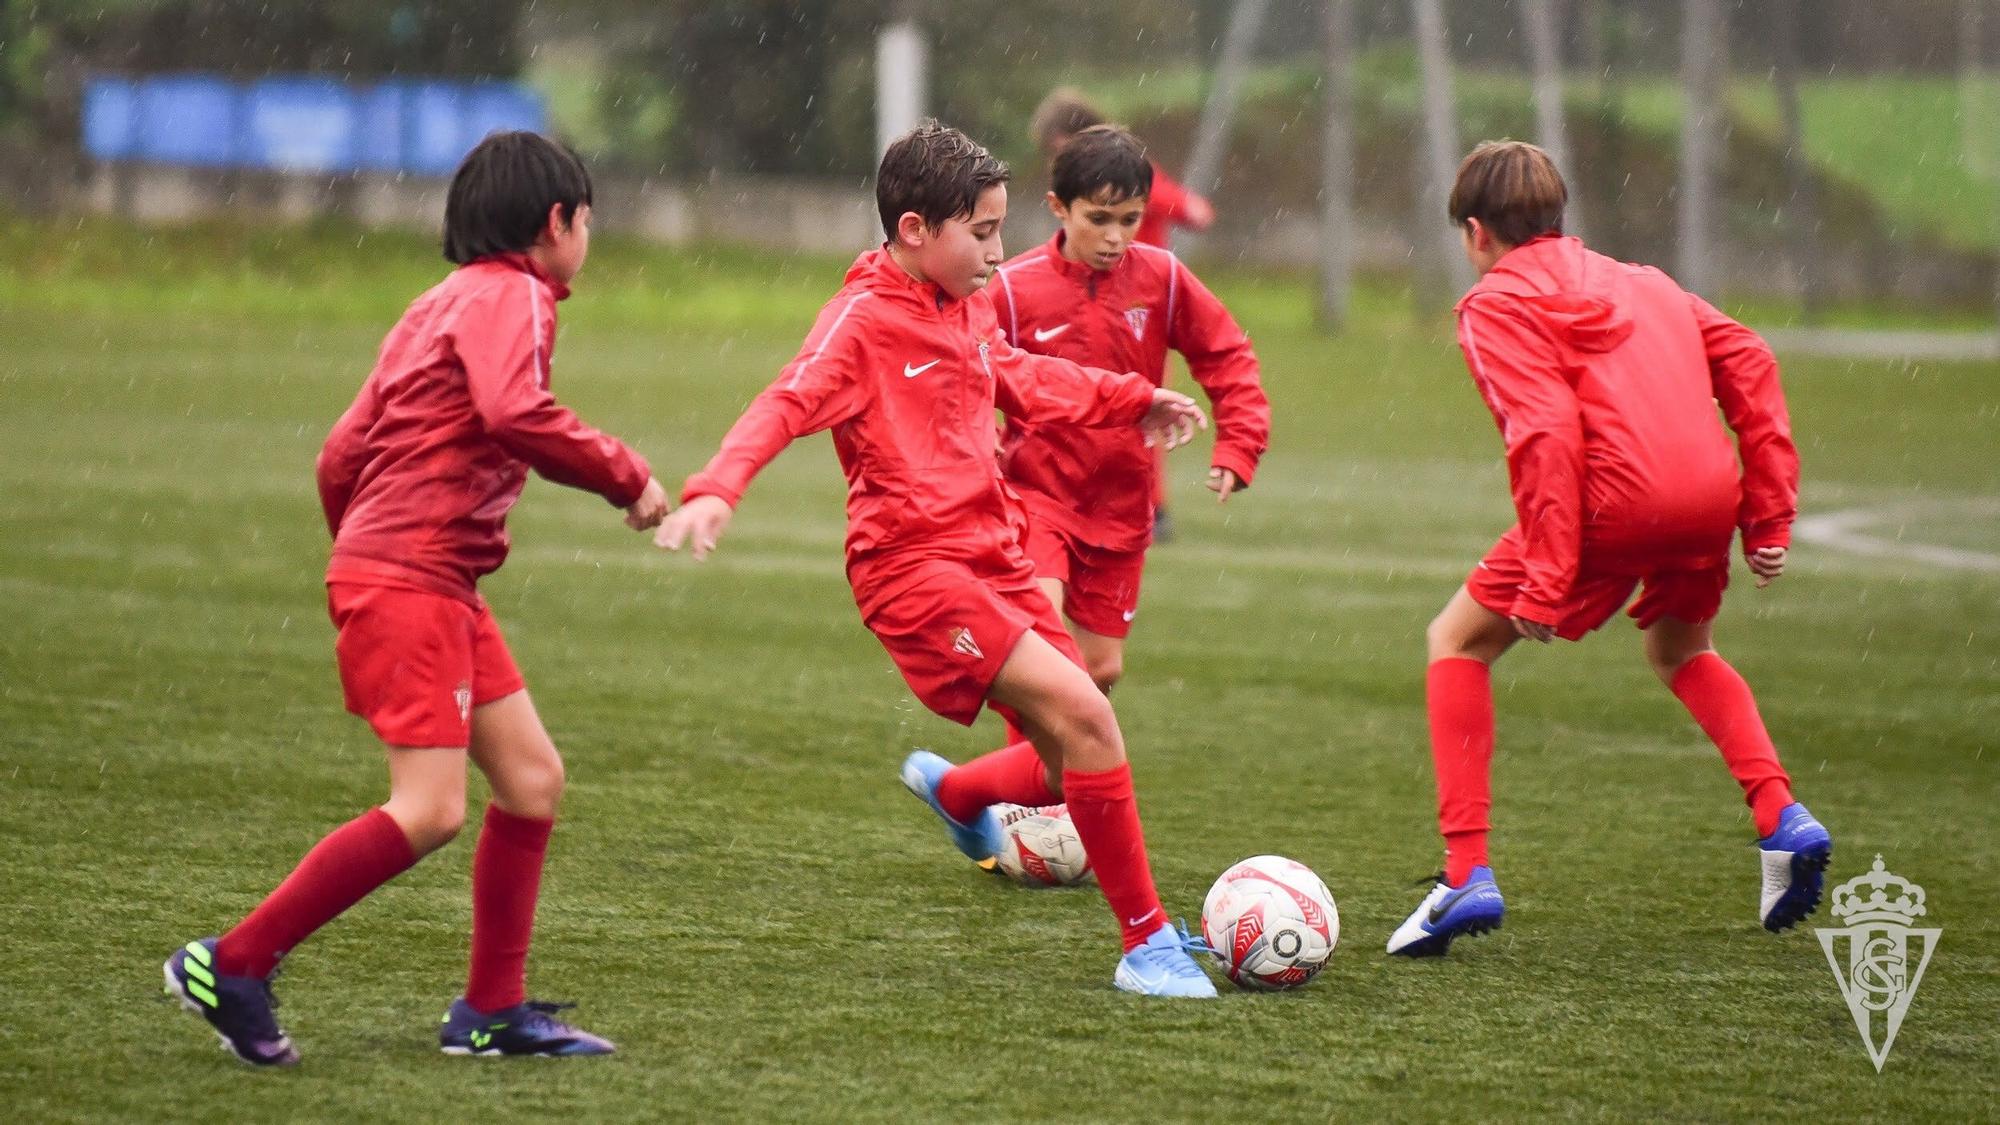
x=1794, y=859
x=530, y=1028
x=239, y=1009
x=1448, y=912
x=1163, y=967
x=980, y=840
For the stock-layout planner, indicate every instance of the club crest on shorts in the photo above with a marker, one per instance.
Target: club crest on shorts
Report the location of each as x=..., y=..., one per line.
x=961, y=641
x=1135, y=317
x=1878, y=976
x=462, y=695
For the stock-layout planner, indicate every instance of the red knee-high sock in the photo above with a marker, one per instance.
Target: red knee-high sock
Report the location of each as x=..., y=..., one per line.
x=1721, y=702
x=1012, y=773
x=1458, y=694
x=1106, y=814
x=338, y=872
x=506, y=878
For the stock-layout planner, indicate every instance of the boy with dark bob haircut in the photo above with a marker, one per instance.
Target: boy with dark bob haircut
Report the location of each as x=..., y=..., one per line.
x=1095, y=295
x=416, y=480
x=905, y=366
x=1604, y=378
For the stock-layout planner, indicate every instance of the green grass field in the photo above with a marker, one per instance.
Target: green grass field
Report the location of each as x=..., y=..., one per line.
x=743, y=896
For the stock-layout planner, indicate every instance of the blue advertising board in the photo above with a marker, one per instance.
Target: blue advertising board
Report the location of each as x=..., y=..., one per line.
x=300, y=124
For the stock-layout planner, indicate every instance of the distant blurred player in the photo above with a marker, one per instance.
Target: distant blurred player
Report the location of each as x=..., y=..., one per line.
x=1063, y=114
x=417, y=479
x=1093, y=295
x=1604, y=378
x=905, y=366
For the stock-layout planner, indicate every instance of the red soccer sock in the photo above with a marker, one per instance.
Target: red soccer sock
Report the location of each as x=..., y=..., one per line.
x=338, y=872
x=1721, y=702
x=1012, y=773
x=506, y=878
x=1106, y=814
x=1458, y=694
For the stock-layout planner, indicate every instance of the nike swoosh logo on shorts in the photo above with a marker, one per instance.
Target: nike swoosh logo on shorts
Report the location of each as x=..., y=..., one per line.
x=911, y=372
x=1044, y=335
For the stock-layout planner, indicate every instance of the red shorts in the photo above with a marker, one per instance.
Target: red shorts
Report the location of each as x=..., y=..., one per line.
x=1690, y=590
x=950, y=628
x=1100, y=587
x=415, y=664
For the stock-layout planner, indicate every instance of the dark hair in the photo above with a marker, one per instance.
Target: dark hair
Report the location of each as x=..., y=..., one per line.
x=1102, y=158
x=503, y=189
x=1064, y=113
x=1513, y=188
x=936, y=171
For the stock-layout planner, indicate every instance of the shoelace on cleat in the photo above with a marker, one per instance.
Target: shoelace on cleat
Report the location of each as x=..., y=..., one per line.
x=1429, y=880
x=544, y=1013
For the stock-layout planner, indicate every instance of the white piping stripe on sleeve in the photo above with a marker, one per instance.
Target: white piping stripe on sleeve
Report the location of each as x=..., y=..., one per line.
x=535, y=315
x=1173, y=274
x=1013, y=310
x=826, y=339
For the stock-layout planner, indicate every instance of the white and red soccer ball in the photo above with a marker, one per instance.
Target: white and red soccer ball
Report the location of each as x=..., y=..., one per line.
x=1272, y=922
x=1040, y=847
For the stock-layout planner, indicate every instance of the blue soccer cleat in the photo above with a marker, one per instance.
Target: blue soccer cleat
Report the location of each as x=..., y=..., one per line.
x=238, y=1008
x=980, y=840
x=1162, y=967
x=1794, y=858
x=1448, y=912
x=530, y=1028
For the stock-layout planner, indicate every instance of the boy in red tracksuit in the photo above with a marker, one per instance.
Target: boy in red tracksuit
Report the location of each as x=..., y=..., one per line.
x=1169, y=205
x=905, y=365
x=416, y=480
x=1094, y=295
x=1605, y=379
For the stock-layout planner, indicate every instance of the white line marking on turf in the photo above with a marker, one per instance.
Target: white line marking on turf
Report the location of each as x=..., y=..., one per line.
x=1844, y=531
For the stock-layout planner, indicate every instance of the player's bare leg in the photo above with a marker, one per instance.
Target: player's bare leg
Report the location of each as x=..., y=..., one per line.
x=495, y=1016
x=1793, y=847
x=1462, y=642
x=1103, y=657
x=1072, y=726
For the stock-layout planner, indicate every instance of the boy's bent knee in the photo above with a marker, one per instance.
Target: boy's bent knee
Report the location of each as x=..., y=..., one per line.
x=428, y=825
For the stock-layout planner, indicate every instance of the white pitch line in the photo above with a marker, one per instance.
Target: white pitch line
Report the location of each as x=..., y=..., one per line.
x=1845, y=531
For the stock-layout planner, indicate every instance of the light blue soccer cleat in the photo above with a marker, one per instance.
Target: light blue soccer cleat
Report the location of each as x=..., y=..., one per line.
x=1449, y=912
x=1162, y=967
x=1794, y=858
x=980, y=840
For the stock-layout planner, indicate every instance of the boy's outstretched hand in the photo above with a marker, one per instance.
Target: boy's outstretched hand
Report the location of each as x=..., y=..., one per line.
x=1173, y=419
x=1766, y=563
x=698, y=522
x=1222, y=482
x=650, y=508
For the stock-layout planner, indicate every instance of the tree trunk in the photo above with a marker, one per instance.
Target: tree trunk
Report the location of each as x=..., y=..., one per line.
x=1336, y=201
x=1448, y=273
x=1538, y=19
x=1211, y=134
x=1802, y=208
x=1703, y=66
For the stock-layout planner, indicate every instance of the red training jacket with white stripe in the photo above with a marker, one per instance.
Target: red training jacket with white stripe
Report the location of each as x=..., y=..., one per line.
x=418, y=475
x=907, y=378
x=1098, y=484
x=1605, y=377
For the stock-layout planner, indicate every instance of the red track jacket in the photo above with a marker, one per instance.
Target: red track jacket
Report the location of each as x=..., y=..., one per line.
x=1605, y=378
x=1098, y=484
x=1166, y=208
x=907, y=379
x=418, y=475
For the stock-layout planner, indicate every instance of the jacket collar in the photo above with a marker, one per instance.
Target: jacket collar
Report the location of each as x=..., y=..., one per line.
x=525, y=264
x=1079, y=272
x=878, y=271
